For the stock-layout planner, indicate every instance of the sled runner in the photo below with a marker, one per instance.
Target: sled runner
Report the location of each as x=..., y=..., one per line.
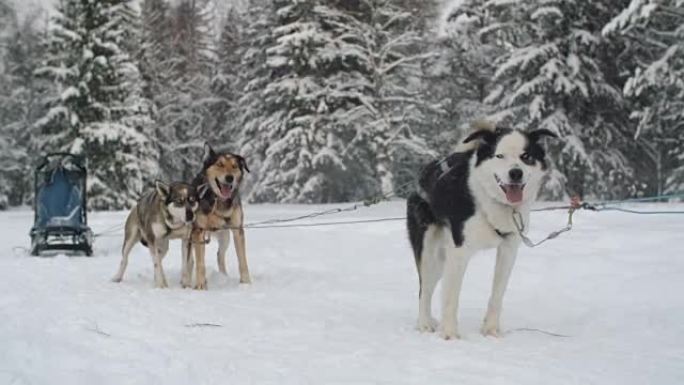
x=59, y=204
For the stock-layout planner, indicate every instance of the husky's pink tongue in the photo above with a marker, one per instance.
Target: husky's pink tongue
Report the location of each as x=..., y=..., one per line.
x=226, y=192
x=514, y=192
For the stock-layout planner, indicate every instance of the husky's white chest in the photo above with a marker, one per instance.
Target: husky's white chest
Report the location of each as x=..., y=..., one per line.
x=172, y=232
x=487, y=229
x=479, y=234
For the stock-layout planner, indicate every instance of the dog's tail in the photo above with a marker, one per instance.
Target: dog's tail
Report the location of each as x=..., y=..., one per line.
x=476, y=125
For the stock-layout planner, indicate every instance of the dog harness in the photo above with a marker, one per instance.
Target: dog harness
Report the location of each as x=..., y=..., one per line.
x=501, y=233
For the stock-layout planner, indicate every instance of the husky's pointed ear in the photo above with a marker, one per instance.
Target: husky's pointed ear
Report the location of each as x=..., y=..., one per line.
x=162, y=188
x=242, y=162
x=485, y=135
x=538, y=134
x=209, y=153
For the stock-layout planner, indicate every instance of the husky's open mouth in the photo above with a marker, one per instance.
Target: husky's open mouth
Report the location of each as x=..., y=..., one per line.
x=225, y=190
x=513, y=191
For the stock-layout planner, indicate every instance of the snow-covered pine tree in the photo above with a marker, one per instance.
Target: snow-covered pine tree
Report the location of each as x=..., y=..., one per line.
x=290, y=124
x=7, y=21
x=555, y=77
x=20, y=96
x=156, y=61
x=424, y=13
x=185, y=101
x=7, y=15
x=336, y=102
x=96, y=110
x=304, y=158
x=155, y=47
x=226, y=82
x=58, y=129
x=654, y=37
x=254, y=76
x=379, y=38
x=460, y=76
x=133, y=108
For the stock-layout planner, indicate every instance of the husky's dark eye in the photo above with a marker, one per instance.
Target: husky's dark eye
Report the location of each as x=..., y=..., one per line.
x=499, y=156
x=526, y=158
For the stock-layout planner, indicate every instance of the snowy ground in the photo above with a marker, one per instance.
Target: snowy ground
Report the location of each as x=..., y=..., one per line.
x=334, y=305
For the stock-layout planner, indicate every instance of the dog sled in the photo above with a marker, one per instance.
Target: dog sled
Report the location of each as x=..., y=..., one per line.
x=60, y=211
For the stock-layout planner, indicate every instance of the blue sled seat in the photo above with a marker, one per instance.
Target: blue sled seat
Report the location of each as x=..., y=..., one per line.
x=60, y=206
x=59, y=202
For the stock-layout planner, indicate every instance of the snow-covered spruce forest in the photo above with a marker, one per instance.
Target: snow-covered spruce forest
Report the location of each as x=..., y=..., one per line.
x=338, y=100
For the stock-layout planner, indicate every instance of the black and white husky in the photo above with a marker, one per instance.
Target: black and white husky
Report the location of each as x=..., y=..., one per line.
x=464, y=204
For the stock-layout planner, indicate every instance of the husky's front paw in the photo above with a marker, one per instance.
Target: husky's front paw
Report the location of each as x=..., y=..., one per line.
x=490, y=329
x=161, y=284
x=245, y=280
x=449, y=332
x=201, y=284
x=426, y=324
x=116, y=279
x=490, y=325
x=186, y=282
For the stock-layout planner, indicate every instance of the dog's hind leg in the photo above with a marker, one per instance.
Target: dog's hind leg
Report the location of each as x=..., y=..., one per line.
x=131, y=237
x=430, y=271
x=425, y=244
x=505, y=258
x=186, y=263
x=223, y=243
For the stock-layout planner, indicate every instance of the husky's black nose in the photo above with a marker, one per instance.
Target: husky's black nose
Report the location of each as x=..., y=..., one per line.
x=189, y=215
x=229, y=179
x=516, y=175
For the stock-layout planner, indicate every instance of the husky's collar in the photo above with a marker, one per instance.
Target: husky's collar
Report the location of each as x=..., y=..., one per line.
x=501, y=233
x=487, y=216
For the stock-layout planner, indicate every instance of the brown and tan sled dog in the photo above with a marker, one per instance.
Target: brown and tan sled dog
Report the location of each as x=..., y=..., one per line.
x=220, y=213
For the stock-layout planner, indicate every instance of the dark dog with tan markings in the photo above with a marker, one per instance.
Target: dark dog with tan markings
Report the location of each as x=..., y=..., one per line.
x=220, y=212
x=165, y=213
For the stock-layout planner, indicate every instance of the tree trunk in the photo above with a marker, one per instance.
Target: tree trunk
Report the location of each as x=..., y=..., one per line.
x=384, y=169
x=659, y=173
